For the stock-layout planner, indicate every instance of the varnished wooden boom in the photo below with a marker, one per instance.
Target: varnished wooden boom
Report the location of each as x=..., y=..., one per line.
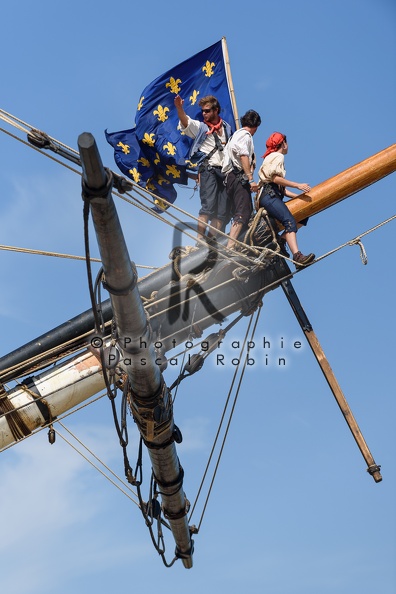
x=344, y=184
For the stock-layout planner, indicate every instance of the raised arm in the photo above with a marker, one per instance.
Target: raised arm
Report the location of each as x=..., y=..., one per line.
x=178, y=101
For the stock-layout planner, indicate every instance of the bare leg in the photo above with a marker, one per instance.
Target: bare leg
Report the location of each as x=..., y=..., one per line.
x=234, y=232
x=202, y=224
x=298, y=258
x=217, y=225
x=291, y=240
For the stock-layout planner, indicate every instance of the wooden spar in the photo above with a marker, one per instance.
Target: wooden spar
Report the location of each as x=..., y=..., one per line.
x=38, y=400
x=344, y=184
x=229, y=81
x=372, y=467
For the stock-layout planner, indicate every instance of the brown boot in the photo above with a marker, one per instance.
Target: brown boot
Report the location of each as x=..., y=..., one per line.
x=300, y=260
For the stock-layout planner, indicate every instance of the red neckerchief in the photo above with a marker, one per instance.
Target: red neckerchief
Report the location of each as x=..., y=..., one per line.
x=214, y=127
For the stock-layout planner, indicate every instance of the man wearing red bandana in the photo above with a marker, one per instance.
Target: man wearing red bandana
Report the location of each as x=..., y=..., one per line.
x=210, y=138
x=273, y=187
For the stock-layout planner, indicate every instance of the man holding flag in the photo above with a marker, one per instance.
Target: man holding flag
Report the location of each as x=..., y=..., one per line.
x=207, y=151
x=154, y=154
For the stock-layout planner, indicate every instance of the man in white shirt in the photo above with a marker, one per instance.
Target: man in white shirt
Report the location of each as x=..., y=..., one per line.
x=210, y=138
x=239, y=165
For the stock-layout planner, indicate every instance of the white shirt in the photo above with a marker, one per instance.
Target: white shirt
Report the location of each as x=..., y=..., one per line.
x=192, y=129
x=273, y=164
x=240, y=143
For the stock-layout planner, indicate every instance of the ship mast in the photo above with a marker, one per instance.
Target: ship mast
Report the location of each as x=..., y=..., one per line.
x=151, y=401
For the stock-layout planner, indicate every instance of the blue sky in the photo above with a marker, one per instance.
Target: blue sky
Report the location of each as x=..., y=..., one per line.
x=292, y=510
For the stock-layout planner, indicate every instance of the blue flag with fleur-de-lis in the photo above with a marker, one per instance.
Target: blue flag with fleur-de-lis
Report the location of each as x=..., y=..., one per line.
x=155, y=153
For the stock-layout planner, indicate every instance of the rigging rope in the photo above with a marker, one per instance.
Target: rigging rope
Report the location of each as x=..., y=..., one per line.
x=11, y=248
x=222, y=420
x=96, y=467
x=356, y=241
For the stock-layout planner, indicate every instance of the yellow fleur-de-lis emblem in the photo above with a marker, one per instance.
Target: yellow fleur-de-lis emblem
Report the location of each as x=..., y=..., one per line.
x=145, y=162
x=140, y=104
x=190, y=163
x=157, y=159
x=124, y=148
x=194, y=97
x=161, y=180
x=173, y=84
x=172, y=170
x=135, y=174
x=170, y=148
x=161, y=113
x=208, y=68
x=161, y=204
x=149, y=139
x=150, y=186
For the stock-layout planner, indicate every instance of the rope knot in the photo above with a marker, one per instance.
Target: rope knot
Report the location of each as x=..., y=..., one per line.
x=363, y=255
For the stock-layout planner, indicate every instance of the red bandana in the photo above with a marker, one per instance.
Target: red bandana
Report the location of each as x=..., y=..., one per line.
x=273, y=143
x=214, y=127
